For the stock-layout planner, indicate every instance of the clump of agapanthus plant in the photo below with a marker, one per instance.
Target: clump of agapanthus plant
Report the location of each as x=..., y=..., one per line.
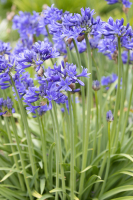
x=54, y=147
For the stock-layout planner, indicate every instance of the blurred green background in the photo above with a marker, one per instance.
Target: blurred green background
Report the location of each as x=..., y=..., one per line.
x=8, y=7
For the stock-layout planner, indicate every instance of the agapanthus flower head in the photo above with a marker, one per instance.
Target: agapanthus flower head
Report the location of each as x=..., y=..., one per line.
x=96, y=85
x=6, y=67
x=115, y=28
x=112, y=1
x=6, y=106
x=108, y=80
x=108, y=45
x=126, y=3
x=109, y=116
x=28, y=26
x=51, y=14
x=124, y=56
x=4, y=48
x=73, y=25
x=54, y=83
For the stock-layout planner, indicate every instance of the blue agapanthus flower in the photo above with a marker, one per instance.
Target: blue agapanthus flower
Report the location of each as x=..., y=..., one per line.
x=6, y=106
x=108, y=80
x=52, y=85
x=108, y=45
x=126, y=3
x=28, y=26
x=124, y=56
x=5, y=48
x=72, y=25
x=50, y=14
x=115, y=28
x=41, y=51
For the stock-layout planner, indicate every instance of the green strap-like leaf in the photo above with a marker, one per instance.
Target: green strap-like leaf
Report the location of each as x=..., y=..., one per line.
x=42, y=185
x=124, y=198
x=116, y=191
x=46, y=196
x=56, y=190
x=87, y=168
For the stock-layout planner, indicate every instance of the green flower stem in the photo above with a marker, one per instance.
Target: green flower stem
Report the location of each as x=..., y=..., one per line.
x=127, y=115
x=72, y=181
x=57, y=154
x=75, y=129
x=44, y=145
x=43, y=139
x=82, y=91
x=13, y=151
x=89, y=96
x=64, y=133
x=100, y=107
x=69, y=55
x=121, y=112
x=126, y=74
x=60, y=150
x=118, y=92
x=21, y=157
x=108, y=163
x=68, y=125
x=12, y=148
x=28, y=135
x=95, y=136
x=49, y=36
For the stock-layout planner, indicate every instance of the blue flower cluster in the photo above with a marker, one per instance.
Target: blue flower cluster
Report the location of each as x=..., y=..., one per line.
x=125, y=57
x=28, y=26
x=5, y=106
x=108, y=80
x=126, y=3
x=53, y=84
x=64, y=27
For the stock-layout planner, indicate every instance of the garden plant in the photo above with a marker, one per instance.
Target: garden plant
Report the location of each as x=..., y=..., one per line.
x=66, y=118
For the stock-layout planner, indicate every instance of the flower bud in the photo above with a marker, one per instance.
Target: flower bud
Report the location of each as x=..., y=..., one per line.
x=44, y=7
x=115, y=56
x=96, y=85
x=65, y=59
x=125, y=10
x=72, y=86
x=69, y=41
x=40, y=72
x=80, y=38
x=109, y=116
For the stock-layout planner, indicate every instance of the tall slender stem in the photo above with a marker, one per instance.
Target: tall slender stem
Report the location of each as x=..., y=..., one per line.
x=75, y=128
x=12, y=148
x=95, y=135
x=127, y=115
x=118, y=92
x=13, y=151
x=60, y=150
x=43, y=139
x=89, y=95
x=82, y=92
x=121, y=112
x=28, y=135
x=72, y=148
x=57, y=154
x=21, y=157
x=108, y=163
